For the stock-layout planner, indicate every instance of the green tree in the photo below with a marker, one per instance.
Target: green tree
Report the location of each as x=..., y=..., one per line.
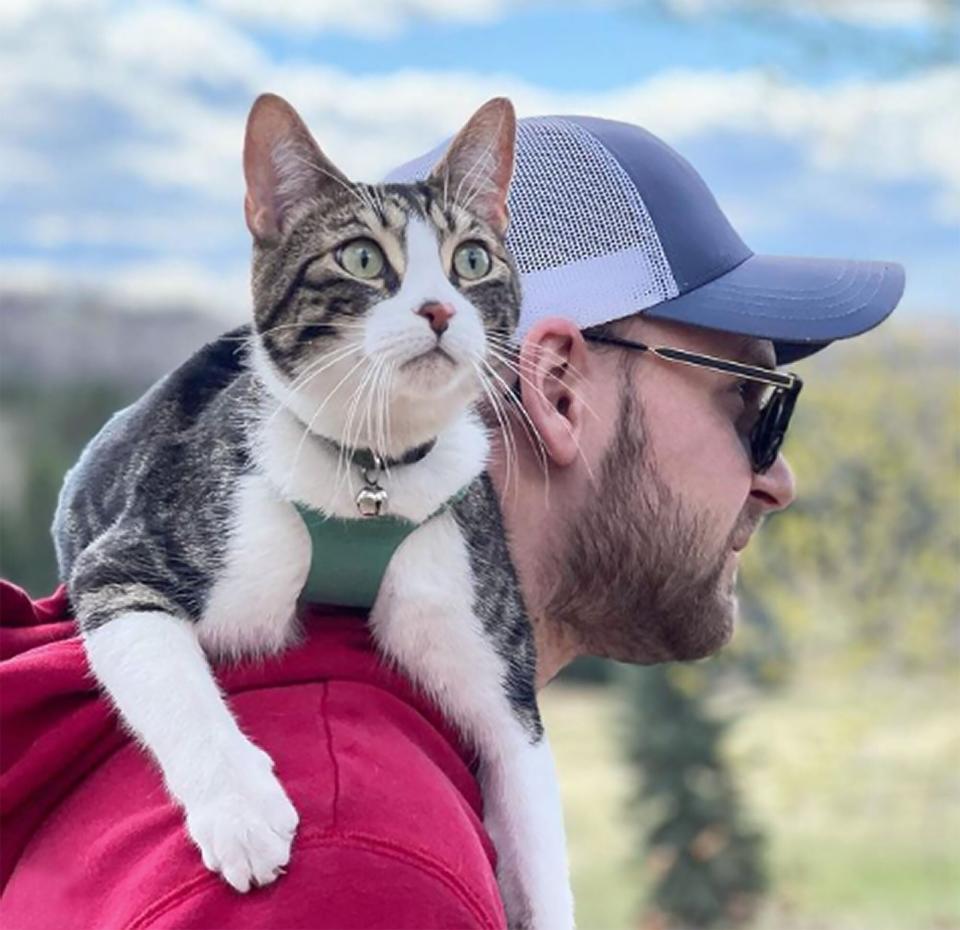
x=705, y=862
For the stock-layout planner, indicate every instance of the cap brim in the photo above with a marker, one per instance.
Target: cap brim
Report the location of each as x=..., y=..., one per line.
x=801, y=304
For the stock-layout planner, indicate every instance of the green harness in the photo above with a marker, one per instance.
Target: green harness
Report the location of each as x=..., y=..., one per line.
x=349, y=557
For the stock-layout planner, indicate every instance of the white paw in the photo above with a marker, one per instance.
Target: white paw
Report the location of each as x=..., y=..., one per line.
x=243, y=822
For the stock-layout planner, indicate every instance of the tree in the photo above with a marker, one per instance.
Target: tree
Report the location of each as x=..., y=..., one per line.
x=704, y=861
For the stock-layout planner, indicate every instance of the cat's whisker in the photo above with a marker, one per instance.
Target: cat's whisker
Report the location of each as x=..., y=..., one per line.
x=529, y=426
x=349, y=438
x=513, y=352
x=346, y=446
x=383, y=409
x=314, y=370
x=525, y=379
x=511, y=347
x=391, y=371
x=346, y=185
x=324, y=361
x=308, y=429
x=280, y=327
x=509, y=436
x=376, y=192
x=361, y=411
x=301, y=382
x=372, y=438
x=519, y=405
x=505, y=428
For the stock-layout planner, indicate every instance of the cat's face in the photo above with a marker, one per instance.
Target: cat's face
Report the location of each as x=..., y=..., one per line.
x=380, y=310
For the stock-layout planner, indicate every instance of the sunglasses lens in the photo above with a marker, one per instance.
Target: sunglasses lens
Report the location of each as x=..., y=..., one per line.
x=771, y=428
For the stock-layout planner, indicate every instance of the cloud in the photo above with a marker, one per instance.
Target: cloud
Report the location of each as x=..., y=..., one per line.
x=370, y=19
x=893, y=130
x=179, y=43
x=184, y=79
x=869, y=13
x=126, y=128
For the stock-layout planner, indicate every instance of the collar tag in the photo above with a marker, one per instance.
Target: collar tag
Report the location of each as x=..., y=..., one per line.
x=372, y=499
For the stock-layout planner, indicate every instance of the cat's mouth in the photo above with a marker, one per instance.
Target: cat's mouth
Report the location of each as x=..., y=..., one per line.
x=432, y=358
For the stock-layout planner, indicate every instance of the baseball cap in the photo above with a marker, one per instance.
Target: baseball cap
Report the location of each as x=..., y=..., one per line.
x=606, y=221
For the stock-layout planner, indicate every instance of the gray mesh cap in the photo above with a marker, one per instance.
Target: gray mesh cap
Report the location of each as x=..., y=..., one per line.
x=607, y=221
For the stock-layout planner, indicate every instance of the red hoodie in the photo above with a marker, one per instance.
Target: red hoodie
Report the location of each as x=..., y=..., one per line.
x=390, y=834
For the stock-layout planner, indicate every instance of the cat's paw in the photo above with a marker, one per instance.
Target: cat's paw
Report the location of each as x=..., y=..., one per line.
x=244, y=824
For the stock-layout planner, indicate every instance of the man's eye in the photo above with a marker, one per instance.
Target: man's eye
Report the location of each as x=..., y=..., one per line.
x=741, y=391
x=746, y=404
x=751, y=392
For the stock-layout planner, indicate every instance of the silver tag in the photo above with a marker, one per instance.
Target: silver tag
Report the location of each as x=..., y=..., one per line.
x=371, y=501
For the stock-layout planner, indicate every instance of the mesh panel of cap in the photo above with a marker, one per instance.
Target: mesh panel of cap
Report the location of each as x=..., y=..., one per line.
x=579, y=232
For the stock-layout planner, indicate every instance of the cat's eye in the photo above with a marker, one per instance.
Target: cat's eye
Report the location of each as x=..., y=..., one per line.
x=363, y=258
x=471, y=261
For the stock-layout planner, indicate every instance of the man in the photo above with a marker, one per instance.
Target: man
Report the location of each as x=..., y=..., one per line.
x=645, y=455
x=627, y=516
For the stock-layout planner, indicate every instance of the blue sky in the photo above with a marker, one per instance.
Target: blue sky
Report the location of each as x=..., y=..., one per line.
x=823, y=129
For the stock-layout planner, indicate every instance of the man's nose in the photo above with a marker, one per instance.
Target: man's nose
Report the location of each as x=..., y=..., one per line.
x=438, y=315
x=776, y=488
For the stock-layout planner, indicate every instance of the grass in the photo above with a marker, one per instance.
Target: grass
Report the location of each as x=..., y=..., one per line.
x=856, y=784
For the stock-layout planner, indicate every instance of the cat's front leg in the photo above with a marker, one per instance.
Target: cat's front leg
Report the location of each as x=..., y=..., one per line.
x=151, y=665
x=251, y=608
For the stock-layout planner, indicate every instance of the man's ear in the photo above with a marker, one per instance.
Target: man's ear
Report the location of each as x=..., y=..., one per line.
x=282, y=164
x=553, y=365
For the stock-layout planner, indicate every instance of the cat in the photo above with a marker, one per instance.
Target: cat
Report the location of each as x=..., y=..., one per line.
x=381, y=315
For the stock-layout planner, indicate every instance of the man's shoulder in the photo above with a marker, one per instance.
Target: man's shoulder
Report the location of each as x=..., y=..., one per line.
x=398, y=772
x=391, y=831
x=389, y=801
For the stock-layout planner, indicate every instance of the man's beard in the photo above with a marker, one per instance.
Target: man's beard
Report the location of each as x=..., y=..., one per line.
x=636, y=580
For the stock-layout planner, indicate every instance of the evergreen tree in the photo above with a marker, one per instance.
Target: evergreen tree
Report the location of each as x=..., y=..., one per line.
x=704, y=863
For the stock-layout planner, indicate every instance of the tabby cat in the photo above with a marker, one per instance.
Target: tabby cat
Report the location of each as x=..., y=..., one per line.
x=378, y=313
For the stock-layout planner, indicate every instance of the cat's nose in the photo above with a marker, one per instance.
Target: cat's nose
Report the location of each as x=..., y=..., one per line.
x=438, y=315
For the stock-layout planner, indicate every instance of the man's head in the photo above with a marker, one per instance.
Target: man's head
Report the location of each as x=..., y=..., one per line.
x=653, y=492
x=629, y=508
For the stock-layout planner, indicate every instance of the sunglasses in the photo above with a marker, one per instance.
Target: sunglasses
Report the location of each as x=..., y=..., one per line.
x=774, y=404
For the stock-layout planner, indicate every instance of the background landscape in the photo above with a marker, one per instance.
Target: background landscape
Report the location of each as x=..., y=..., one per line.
x=806, y=779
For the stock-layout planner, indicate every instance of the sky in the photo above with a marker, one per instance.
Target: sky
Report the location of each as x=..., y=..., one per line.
x=824, y=127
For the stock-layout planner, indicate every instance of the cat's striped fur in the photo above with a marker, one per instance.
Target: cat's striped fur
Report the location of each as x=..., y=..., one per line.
x=177, y=535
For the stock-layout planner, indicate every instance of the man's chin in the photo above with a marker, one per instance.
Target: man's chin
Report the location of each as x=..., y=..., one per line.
x=681, y=640
x=704, y=635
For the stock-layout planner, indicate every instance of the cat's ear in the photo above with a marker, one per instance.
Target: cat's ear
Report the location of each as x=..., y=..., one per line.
x=477, y=166
x=282, y=164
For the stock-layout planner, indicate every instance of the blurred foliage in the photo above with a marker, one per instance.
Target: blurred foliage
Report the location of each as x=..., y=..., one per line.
x=864, y=568
x=47, y=428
